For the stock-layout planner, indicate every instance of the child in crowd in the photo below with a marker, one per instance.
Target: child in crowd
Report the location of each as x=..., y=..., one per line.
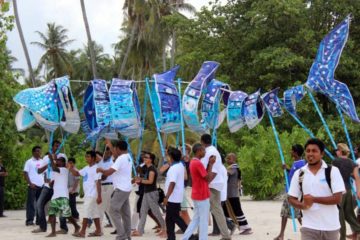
x=92, y=191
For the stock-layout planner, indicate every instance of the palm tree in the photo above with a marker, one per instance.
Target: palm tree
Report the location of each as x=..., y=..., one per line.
x=90, y=45
x=23, y=43
x=55, y=59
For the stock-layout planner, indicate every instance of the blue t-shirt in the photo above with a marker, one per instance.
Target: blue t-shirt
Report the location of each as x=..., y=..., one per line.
x=296, y=165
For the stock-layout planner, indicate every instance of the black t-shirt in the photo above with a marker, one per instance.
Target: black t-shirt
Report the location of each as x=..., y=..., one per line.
x=2, y=178
x=346, y=168
x=150, y=187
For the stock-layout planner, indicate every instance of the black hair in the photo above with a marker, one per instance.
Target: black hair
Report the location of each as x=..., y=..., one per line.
x=206, y=138
x=35, y=148
x=122, y=145
x=99, y=153
x=174, y=153
x=55, y=142
x=71, y=159
x=298, y=149
x=196, y=147
x=62, y=159
x=152, y=157
x=317, y=142
x=91, y=153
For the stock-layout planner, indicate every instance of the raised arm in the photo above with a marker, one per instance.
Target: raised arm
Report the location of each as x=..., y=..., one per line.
x=72, y=169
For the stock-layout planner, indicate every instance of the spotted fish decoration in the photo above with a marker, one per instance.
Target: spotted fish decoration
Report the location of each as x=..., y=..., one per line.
x=212, y=117
x=97, y=108
x=272, y=102
x=321, y=76
x=292, y=96
x=253, y=109
x=165, y=101
x=193, y=93
x=235, y=112
x=51, y=105
x=125, y=108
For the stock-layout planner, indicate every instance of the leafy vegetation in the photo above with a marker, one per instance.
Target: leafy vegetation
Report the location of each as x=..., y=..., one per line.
x=259, y=44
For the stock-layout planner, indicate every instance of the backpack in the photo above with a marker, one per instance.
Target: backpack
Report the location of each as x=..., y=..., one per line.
x=327, y=178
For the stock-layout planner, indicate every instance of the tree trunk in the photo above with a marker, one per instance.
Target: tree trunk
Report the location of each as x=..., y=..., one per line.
x=90, y=42
x=28, y=61
x=131, y=41
x=164, y=58
x=173, y=47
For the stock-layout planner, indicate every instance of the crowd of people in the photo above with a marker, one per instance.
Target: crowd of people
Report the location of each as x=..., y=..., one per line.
x=322, y=197
x=110, y=177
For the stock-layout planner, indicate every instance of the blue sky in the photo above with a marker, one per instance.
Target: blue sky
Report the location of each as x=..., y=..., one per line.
x=105, y=18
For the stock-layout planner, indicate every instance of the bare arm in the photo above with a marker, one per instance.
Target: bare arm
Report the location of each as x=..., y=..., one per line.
x=27, y=179
x=150, y=180
x=53, y=163
x=169, y=192
x=106, y=172
x=73, y=171
x=4, y=174
x=357, y=180
x=210, y=175
x=297, y=204
x=42, y=169
x=164, y=168
x=331, y=200
x=98, y=189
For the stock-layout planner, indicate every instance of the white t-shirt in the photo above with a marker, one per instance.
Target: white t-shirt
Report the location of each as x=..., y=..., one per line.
x=218, y=182
x=319, y=216
x=31, y=167
x=60, y=183
x=106, y=165
x=48, y=171
x=122, y=177
x=224, y=173
x=89, y=180
x=176, y=174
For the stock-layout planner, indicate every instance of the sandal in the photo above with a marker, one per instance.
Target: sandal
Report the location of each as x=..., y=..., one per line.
x=136, y=234
x=246, y=232
x=94, y=234
x=78, y=235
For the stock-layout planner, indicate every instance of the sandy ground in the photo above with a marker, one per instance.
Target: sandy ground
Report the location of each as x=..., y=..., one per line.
x=263, y=216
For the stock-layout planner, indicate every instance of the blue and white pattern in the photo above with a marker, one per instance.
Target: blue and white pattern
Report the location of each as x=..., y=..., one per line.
x=125, y=108
x=254, y=109
x=165, y=101
x=97, y=107
x=51, y=105
x=321, y=77
x=24, y=119
x=292, y=96
x=235, y=112
x=193, y=92
x=272, y=102
x=210, y=108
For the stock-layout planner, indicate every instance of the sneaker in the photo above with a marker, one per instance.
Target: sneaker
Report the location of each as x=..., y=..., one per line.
x=38, y=230
x=29, y=224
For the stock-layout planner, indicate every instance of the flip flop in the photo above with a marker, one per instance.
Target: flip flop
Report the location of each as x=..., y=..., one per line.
x=93, y=234
x=246, y=232
x=78, y=235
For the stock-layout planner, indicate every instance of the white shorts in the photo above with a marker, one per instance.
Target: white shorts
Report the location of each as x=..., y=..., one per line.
x=91, y=208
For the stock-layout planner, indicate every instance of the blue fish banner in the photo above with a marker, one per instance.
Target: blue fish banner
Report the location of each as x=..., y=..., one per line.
x=235, y=112
x=193, y=93
x=165, y=101
x=125, y=108
x=97, y=106
x=51, y=105
x=272, y=102
x=292, y=96
x=211, y=113
x=253, y=109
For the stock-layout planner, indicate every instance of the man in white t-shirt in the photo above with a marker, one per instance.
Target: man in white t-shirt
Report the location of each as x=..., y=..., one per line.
x=35, y=182
x=317, y=200
x=106, y=183
x=59, y=203
x=47, y=190
x=174, y=193
x=121, y=177
x=216, y=185
x=92, y=192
